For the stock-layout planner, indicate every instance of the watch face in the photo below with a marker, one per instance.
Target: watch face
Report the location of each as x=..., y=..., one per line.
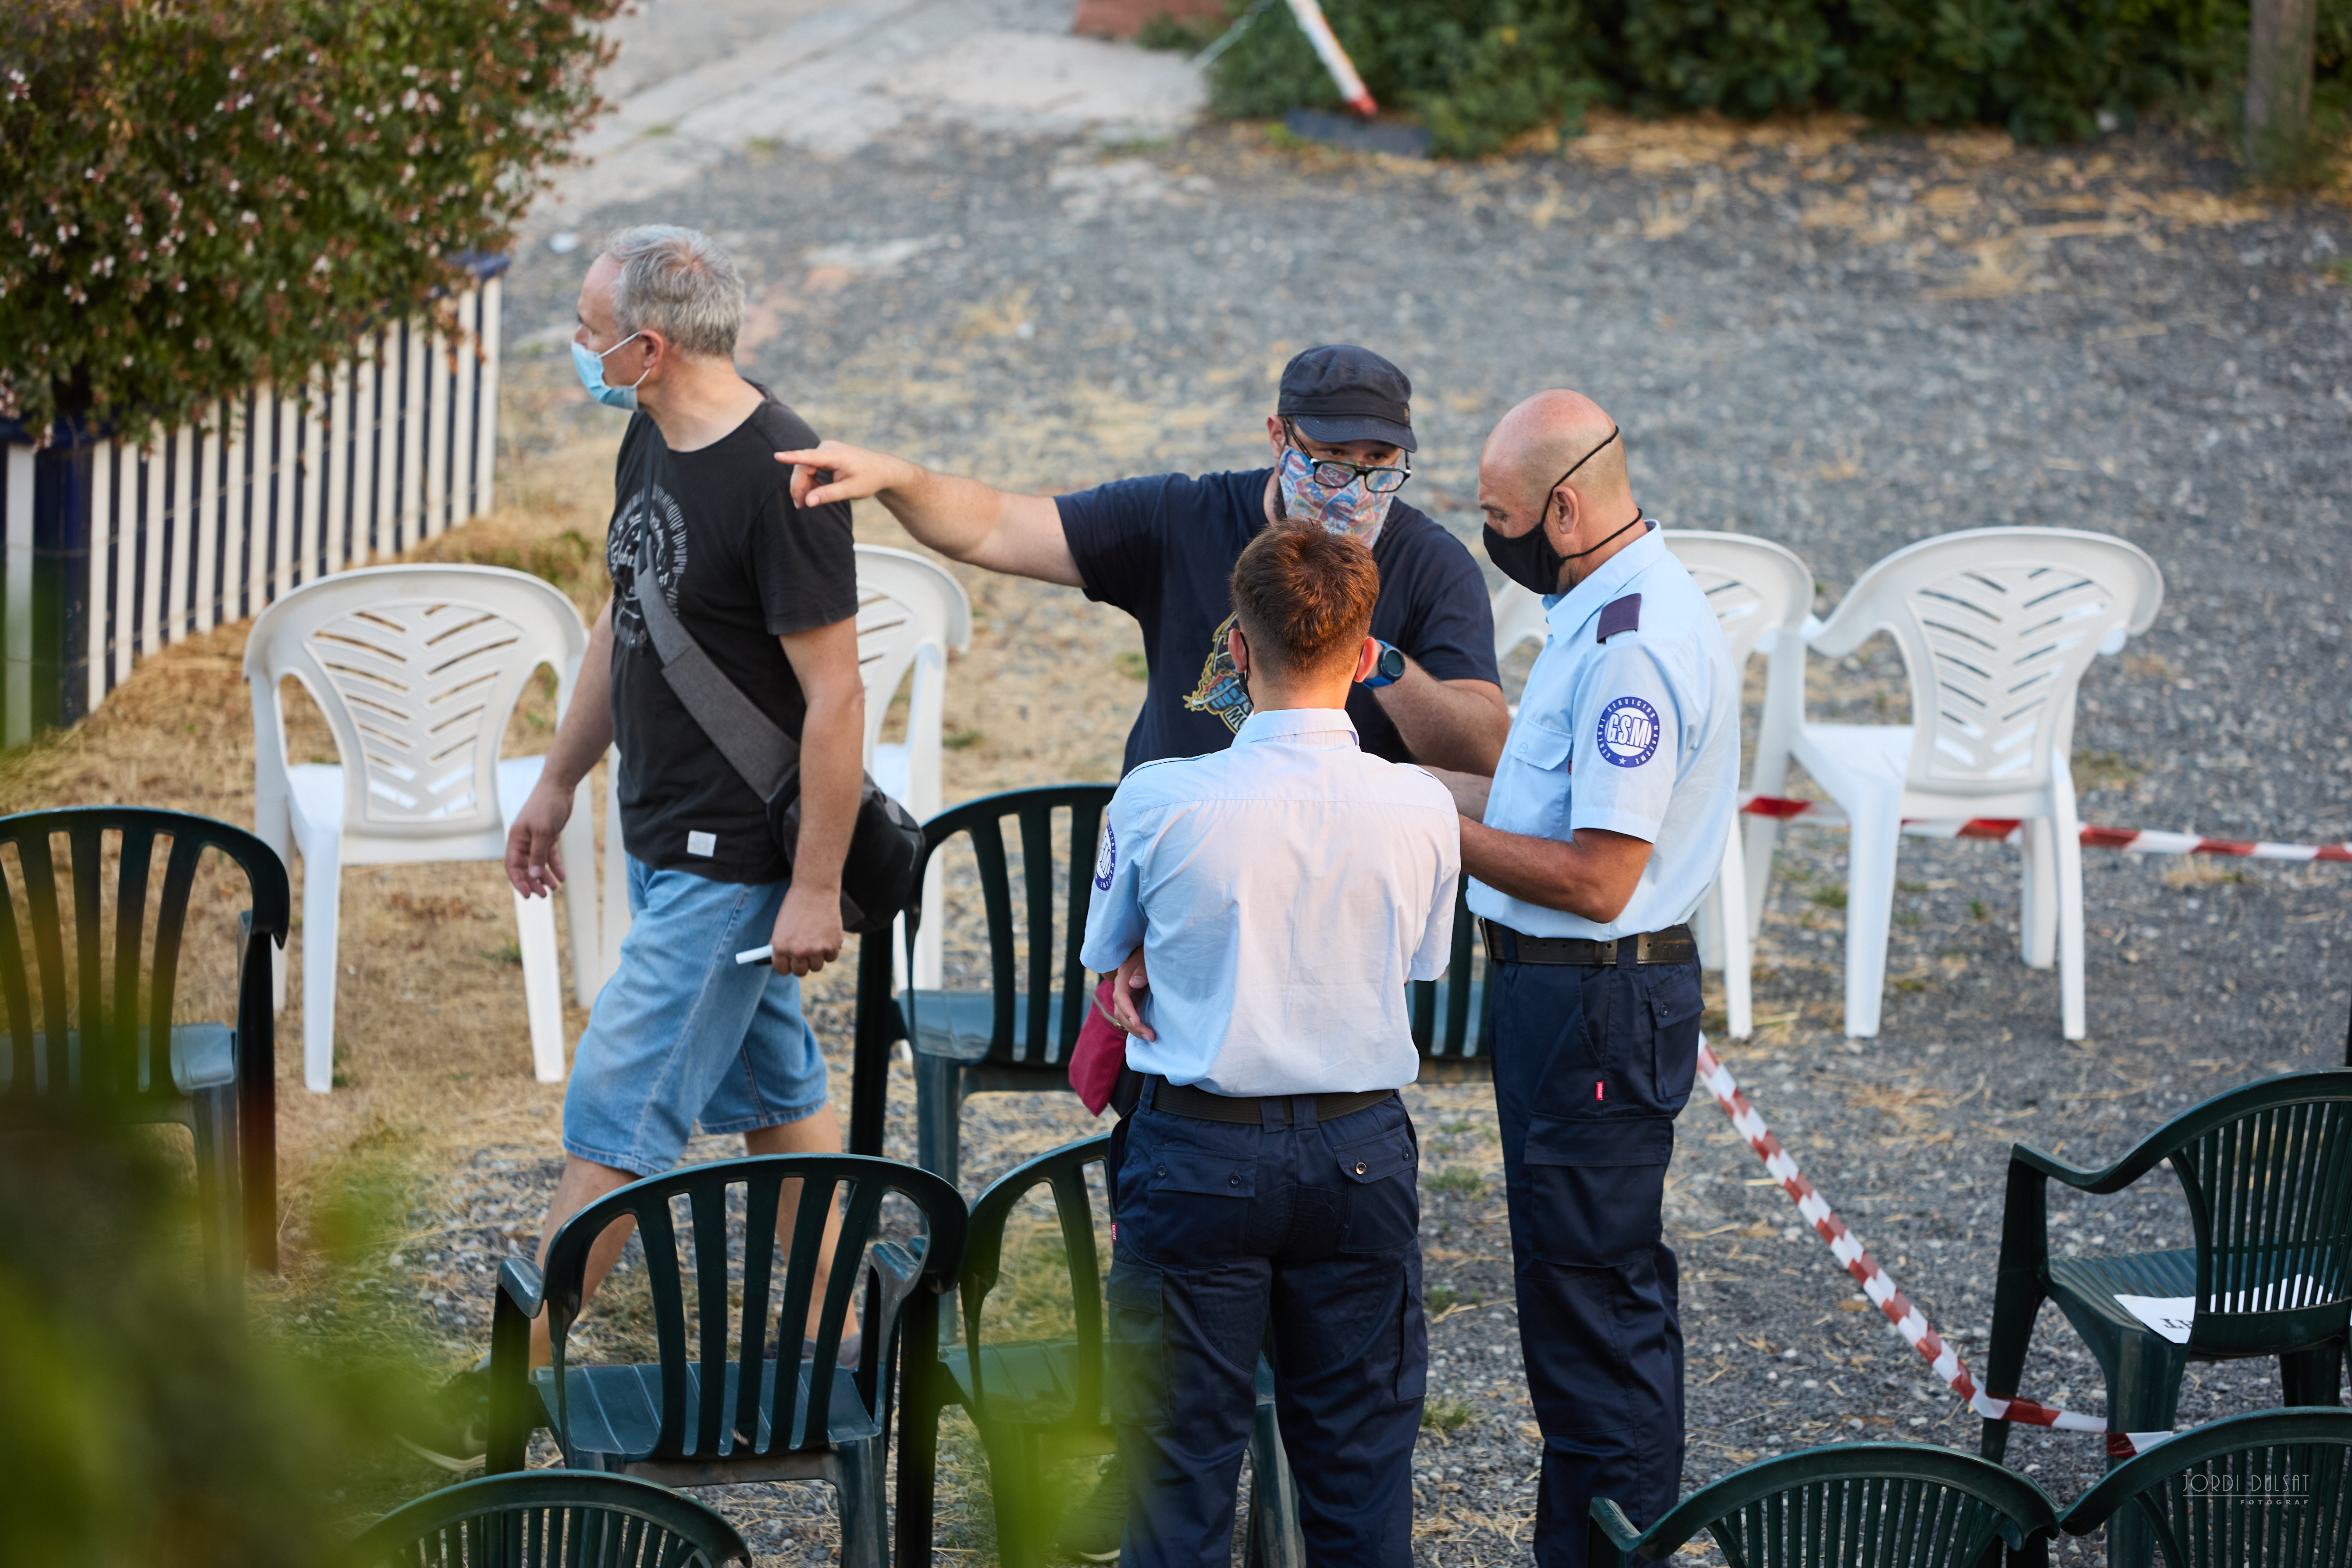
x=1391, y=661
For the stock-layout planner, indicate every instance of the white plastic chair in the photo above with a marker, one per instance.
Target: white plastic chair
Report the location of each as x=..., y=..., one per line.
x=1996, y=626
x=911, y=613
x=1518, y=618
x=1762, y=595
x=417, y=670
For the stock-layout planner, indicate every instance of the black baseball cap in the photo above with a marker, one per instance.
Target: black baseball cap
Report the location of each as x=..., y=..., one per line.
x=1338, y=392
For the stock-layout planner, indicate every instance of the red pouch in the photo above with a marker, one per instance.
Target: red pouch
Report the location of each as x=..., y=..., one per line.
x=1100, y=1052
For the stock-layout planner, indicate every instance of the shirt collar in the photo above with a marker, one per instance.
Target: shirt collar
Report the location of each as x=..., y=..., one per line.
x=1568, y=611
x=1290, y=723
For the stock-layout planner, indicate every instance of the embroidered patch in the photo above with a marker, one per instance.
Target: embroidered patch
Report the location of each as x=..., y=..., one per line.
x=1106, y=860
x=1629, y=732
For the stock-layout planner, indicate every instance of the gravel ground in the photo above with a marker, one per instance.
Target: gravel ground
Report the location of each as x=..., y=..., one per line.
x=1840, y=343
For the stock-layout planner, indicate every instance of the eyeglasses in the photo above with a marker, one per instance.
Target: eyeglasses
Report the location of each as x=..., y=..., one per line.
x=1331, y=474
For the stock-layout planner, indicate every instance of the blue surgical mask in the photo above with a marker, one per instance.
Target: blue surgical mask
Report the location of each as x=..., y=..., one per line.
x=591, y=366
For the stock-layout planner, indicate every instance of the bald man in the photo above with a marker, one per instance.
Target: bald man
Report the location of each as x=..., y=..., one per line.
x=1588, y=850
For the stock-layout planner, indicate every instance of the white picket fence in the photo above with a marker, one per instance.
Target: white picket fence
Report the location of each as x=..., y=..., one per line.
x=281, y=487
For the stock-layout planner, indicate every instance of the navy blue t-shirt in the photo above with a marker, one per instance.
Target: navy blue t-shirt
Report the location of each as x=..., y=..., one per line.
x=1164, y=548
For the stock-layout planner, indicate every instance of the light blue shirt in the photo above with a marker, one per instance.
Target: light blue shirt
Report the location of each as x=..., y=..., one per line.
x=1284, y=891
x=1639, y=735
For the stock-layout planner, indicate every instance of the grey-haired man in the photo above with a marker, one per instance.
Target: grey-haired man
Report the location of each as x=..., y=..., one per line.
x=681, y=1034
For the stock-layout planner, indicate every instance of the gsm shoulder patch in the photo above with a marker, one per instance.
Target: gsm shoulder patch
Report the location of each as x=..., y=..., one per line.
x=1619, y=616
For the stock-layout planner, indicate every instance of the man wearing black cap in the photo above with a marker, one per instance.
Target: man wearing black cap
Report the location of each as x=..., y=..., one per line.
x=1164, y=548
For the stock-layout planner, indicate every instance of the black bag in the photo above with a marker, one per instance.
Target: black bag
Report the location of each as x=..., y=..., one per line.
x=877, y=877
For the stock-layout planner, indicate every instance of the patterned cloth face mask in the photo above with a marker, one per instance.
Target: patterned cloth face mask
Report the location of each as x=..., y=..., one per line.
x=1353, y=509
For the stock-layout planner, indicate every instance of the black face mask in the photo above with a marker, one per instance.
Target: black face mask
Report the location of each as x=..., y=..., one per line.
x=1529, y=560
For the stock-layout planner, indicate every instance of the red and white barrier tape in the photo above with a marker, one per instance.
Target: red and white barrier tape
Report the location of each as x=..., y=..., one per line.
x=1882, y=1292
x=1335, y=59
x=2132, y=841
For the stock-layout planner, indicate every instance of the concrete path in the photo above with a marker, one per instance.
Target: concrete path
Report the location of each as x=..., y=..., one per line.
x=699, y=82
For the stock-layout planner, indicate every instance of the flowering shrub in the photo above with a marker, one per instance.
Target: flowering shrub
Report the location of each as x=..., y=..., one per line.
x=201, y=194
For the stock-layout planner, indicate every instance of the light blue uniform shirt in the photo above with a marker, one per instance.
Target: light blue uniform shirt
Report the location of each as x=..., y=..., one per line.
x=1638, y=735
x=1284, y=891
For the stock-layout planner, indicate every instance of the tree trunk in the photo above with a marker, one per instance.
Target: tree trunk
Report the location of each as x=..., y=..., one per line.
x=2278, y=84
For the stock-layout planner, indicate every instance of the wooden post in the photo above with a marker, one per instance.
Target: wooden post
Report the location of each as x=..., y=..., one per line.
x=2278, y=85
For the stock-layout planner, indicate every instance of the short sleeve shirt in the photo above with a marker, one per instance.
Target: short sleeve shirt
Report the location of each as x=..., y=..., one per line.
x=1284, y=891
x=740, y=565
x=1629, y=723
x=1164, y=548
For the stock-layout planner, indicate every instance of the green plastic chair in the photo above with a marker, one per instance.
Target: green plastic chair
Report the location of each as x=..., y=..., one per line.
x=717, y=1409
x=1449, y=1013
x=111, y=1055
x=2267, y=1172
x=1852, y=1505
x=1015, y=1036
x=2272, y=1490
x=550, y=1518
x=1036, y=1402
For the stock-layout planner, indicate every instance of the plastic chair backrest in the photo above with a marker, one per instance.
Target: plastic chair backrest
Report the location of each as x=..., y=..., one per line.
x=1859, y=1504
x=2266, y=1169
x=1063, y=1171
x=910, y=612
x=2268, y=1490
x=550, y=1519
x=416, y=669
x=1518, y=618
x=124, y=1031
x=704, y=1347
x=1760, y=592
x=1997, y=625
x=106, y=1052
x=1052, y=970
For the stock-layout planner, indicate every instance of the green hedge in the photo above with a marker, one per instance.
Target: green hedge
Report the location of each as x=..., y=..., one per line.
x=202, y=194
x=1477, y=72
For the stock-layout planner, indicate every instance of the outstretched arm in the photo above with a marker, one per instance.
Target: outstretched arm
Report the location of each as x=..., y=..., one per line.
x=961, y=518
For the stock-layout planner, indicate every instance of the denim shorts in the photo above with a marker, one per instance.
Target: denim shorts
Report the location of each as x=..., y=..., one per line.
x=681, y=1033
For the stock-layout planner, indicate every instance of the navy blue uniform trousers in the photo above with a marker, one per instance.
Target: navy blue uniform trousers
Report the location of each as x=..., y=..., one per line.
x=1312, y=1227
x=1591, y=1065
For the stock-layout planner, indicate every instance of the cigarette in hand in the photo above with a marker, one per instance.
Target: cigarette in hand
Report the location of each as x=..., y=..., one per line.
x=755, y=955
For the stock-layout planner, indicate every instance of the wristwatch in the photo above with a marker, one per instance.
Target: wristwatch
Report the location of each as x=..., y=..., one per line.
x=1388, y=667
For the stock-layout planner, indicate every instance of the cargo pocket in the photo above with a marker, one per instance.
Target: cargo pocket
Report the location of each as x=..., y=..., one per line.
x=1139, y=1346
x=1674, y=1005
x=1412, y=1336
x=1595, y=1185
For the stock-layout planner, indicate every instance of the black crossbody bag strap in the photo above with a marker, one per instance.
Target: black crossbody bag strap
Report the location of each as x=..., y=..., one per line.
x=877, y=875
x=752, y=743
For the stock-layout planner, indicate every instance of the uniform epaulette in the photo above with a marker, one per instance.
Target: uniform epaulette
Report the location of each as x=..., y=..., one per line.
x=1619, y=616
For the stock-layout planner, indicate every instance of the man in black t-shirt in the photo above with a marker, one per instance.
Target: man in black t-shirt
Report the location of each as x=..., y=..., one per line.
x=682, y=1034
x=1163, y=549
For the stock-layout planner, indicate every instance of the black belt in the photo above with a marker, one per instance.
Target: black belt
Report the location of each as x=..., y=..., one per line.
x=1249, y=1110
x=1673, y=945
